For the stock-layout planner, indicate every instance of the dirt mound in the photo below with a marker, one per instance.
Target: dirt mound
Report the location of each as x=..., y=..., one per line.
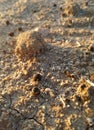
x=71, y=9
x=29, y=44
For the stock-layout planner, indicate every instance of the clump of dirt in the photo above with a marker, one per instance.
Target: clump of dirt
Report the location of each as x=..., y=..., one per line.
x=71, y=9
x=85, y=91
x=29, y=44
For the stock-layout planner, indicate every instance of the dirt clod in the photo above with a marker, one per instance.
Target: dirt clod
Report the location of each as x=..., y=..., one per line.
x=29, y=45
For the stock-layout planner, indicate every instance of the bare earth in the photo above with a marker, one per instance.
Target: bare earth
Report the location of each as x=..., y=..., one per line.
x=52, y=89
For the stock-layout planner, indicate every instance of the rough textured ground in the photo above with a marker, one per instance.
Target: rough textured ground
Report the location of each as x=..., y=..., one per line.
x=55, y=89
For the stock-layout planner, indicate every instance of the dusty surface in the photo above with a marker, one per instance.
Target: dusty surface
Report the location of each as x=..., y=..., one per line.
x=54, y=90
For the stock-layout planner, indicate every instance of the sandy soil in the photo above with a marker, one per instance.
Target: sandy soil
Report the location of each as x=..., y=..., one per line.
x=54, y=89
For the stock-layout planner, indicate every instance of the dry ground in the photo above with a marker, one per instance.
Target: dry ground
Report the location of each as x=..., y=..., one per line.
x=54, y=91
